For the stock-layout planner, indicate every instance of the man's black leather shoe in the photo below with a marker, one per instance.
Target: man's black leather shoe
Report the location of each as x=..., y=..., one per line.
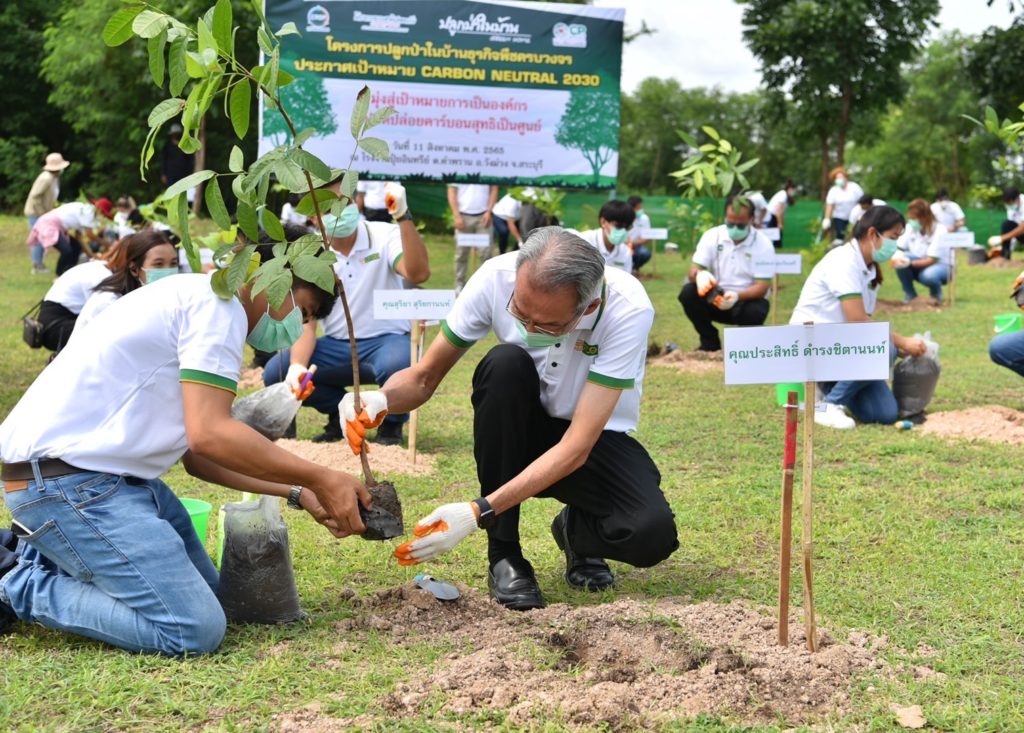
x=513, y=584
x=585, y=573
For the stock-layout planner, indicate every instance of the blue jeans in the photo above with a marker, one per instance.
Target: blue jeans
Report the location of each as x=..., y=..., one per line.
x=113, y=558
x=932, y=277
x=1007, y=350
x=379, y=358
x=870, y=401
x=641, y=255
x=37, y=249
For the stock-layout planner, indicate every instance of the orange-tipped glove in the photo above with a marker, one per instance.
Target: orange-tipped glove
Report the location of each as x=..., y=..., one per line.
x=726, y=300
x=437, y=533
x=300, y=380
x=394, y=199
x=704, y=281
x=1017, y=292
x=375, y=408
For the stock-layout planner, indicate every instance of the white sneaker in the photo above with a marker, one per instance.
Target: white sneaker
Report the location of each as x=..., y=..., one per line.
x=832, y=416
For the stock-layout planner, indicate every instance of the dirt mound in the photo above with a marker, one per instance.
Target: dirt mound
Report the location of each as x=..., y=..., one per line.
x=384, y=459
x=251, y=377
x=623, y=665
x=992, y=423
x=922, y=303
x=1001, y=263
x=697, y=362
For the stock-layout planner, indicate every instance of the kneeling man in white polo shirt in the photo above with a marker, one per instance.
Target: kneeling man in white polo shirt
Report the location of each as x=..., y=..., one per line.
x=554, y=404
x=722, y=287
x=371, y=256
x=102, y=547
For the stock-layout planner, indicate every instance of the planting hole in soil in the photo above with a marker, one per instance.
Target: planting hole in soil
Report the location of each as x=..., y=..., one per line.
x=384, y=518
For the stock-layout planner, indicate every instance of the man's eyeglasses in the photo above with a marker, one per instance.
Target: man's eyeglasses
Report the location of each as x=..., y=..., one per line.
x=562, y=330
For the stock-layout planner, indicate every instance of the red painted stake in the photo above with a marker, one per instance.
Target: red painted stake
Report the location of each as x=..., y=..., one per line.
x=786, y=540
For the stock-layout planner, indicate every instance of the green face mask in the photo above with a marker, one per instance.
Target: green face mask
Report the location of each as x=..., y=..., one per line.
x=537, y=340
x=914, y=224
x=737, y=233
x=158, y=273
x=639, y=212
x=273, y=335
x=617, y=236
x=885, y=253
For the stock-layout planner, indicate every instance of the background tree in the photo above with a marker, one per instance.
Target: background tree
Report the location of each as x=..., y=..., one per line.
x=589, y=126
x=996, y=68
x=836, y=61
x=307, y=103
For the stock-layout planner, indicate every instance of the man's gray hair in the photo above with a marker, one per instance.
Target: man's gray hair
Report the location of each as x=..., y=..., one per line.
x=563, y=260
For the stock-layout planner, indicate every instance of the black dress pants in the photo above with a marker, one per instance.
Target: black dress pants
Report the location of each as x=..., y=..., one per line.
x=58, y=323
x=703, y=315
x=619, y=511
x=1005, y=228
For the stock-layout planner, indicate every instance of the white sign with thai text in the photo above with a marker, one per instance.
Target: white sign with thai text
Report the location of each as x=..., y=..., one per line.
x=774, y=234
x=661, y=233
x=413, y=305
x=958, y=240
x=826, y=352
x=781, y=264
x=469, y=239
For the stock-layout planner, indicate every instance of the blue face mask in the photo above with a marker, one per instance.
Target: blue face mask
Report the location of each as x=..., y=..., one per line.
x=617, y=236
x=737, y=233
x=537, y=340
x=343, y=225
x=273, y=335
x=158, y=273
x=885, y=253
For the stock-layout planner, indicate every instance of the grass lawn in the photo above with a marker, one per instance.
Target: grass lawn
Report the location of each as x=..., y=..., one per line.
x=917, y=539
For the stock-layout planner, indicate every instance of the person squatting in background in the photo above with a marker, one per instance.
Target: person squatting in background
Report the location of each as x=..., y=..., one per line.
x=922, y=256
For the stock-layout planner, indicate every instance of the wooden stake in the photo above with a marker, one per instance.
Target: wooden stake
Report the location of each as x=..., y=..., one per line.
x=786, y=540
x=414, y=416
x=775, y=298
x=952, y=276
x=808, y=541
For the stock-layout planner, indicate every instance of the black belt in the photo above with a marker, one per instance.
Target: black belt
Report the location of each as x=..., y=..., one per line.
x=48, y=468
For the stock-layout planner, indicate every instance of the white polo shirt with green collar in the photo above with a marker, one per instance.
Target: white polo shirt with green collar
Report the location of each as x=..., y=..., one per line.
x=620, y=256
x=112, y=401
x=369, y=266
x=840, y=275
x=732, y=263
x=608, y=347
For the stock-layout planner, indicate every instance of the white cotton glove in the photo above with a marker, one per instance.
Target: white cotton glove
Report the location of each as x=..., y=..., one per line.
x=900, y=261
x=293, y=378
x=726, y=300
x=995, y=241
x=826, y=224
x=437, y=533
x=705, y=281
x=375, y=408
x=394, y=199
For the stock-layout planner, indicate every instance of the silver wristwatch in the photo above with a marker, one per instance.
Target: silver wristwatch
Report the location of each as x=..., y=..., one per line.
x=293, y=497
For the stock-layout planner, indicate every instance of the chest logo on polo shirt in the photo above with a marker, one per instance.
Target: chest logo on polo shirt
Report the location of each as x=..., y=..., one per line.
x=371, y=258
x=587, y=349
x=721, y=247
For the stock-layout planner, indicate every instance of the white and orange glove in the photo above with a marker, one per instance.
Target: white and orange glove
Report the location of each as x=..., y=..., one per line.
x=394, y=199
x=995, y=241
x=900, y=261
x=1017, y=291
x=826, y=224
x=705, y=281
x=437, y=533
x=375, y=408
x=726, y=300
x=295, y=379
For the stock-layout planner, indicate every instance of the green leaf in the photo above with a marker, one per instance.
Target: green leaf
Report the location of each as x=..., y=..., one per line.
x=222, y=31
x=257, y=5
x=156, y=56
x=238, y=270
x=219, y=283
x=176, y=67
x=375, y=147
x=186, y=183
x=288, y=29
x=240, y=101
x=206, y=40
x=359, y=110
x=711, y=132
x=166, y=110
x=260, y=169
x=311, y=163
x=308, y=244
x=379, y=116
x=324, y=197
x=191, y=250
x=194, y=65
x=118, y=29
x=271, y=224
x=303, y=136
x=314, y=270
x=348, y=184
x=215, y=204
x=290, y=176
x=270, y=82
x=247, y=221
x=236, y=162
x=264, y=41
x=284, y=78
x=149, y=23
x=237, y=188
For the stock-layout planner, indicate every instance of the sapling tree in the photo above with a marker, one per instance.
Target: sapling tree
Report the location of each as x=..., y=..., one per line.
x=200, y=59
x=712, y=170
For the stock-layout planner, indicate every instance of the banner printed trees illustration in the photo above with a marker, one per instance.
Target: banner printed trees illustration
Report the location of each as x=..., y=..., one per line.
x=590, y=124
x=307, y=102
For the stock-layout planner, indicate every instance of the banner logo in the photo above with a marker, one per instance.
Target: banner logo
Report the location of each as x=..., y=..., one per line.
x=572, y=35
x=478, y=25
x=390, y=23
x=318, y=20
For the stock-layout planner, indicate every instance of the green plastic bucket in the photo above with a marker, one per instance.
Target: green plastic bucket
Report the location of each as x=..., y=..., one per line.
x=199, y=511
x=782, y=392
x=1007, y=322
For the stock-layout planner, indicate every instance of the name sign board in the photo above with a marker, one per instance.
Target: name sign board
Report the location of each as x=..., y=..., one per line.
x=825, y=352
x=412, y=305
x=782, y=264
x=774, y=234
x=661, y=233
x=958, y=240
x=469, y=239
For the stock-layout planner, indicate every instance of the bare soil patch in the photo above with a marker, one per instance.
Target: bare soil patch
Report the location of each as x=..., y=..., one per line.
x=384, y=459
x=922, y=303
x=627, y=665
x=1001, y=263
x=695, y=362
x=993, y=423
x=250, y=378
